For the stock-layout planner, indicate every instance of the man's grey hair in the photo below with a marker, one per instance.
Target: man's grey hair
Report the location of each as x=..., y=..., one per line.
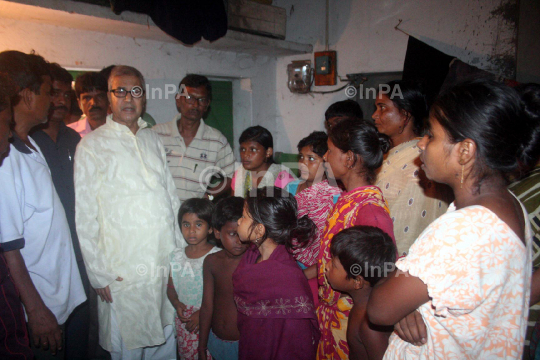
x=124, y=70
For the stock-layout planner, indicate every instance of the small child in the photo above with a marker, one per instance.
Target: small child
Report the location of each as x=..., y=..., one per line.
x=185, y=288
x=218, y=329
x=258, y=168
x=361, y=256
x=276, y=316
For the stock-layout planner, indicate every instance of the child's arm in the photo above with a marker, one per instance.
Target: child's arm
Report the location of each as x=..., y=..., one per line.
x=192, y=322
x=173, y=298
x=207, y=308
x=311, y=272
x=375, y=342
x=396, y=297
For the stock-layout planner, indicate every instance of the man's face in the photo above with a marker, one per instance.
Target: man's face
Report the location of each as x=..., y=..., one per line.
x=126, y=110
x=61, y=101
x=94, y=105
x=196, y=106
x=42, y=101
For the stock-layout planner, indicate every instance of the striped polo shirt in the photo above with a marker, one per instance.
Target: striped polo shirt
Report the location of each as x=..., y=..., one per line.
x=192, y=168
x=527, y=190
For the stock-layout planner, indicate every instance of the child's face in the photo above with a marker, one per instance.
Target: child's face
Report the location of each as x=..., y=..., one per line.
x=244, y=227
x=310, y=164
x=230, y=240
x=194, y=229
x=337, y=276
x=253, y=155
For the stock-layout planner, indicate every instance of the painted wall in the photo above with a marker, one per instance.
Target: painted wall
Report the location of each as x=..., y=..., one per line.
x=528, y=54
x=162, y=64
x=479, y=32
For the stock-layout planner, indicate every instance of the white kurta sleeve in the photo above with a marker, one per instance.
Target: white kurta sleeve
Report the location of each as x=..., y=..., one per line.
x=87, y=187
x=175, y=200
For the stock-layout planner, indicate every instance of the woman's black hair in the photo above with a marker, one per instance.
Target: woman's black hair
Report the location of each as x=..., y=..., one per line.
x=203, y=208
x=410, y=97
x=318, y=142
x=362, y=138
x=530, y=99
x=491, y=114
x=364, y=250
x=258, y=134
x=277, y=210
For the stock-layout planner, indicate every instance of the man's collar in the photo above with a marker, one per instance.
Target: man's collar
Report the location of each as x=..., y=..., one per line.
x=200, y=130
x=19, y=145
x=121, y=127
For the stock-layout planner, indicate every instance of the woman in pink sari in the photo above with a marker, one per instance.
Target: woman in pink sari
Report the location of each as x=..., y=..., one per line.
x=355, y=151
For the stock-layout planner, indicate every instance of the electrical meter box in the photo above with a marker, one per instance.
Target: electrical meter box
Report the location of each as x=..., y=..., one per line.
x=325, y=68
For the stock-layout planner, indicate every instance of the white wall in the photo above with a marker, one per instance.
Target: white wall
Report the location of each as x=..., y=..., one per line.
x=161, y=64
x=362, y=32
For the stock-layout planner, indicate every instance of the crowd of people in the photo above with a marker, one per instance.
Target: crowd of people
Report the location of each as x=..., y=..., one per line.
x=400, y=239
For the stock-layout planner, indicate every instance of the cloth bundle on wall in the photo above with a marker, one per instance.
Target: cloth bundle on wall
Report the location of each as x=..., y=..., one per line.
x=436, y=70
x=426, y=64
x=185, y=20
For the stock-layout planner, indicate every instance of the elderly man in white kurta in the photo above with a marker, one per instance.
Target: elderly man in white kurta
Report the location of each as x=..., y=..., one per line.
x=126, y=216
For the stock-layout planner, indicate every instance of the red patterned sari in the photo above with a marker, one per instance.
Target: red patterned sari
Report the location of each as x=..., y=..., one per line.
x=362, y=206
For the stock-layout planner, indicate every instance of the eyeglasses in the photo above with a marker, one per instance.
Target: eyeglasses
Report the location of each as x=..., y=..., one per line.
x=136, y=92
x=191, y=100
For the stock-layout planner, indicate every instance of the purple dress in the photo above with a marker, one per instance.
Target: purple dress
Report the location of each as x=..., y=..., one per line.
x=276, y=315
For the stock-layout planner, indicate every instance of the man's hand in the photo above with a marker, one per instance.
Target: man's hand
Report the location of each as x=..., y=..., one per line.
x=45, y=330
x=412, y=329
x=105, y=293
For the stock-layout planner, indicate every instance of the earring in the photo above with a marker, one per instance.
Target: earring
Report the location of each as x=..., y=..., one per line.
x=257, y=241
x=462, y=170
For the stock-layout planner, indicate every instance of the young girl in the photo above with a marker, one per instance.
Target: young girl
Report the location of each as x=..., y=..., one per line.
x=258, y=169
x=185, y=287
x=315, y=196
x=276, y=316
x=469, y=272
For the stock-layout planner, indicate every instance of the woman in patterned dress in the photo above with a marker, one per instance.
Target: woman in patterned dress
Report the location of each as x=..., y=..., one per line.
x=355, y=151
x=414, y=201
x=468, y=273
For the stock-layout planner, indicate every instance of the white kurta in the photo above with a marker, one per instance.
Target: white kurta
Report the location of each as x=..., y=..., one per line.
x=126, y=216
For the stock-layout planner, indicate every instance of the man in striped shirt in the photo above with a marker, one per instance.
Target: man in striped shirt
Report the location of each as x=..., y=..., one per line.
x=195, y=151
